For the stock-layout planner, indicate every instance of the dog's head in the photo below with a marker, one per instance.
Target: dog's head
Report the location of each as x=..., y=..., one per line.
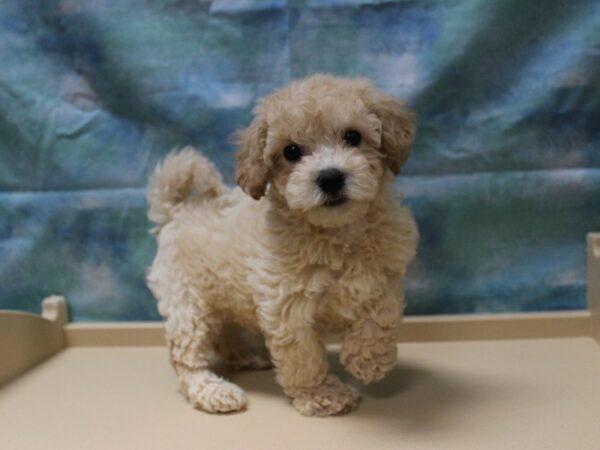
x=324, y=144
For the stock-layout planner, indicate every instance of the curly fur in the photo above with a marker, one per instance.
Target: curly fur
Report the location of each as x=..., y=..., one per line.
x=287, y=266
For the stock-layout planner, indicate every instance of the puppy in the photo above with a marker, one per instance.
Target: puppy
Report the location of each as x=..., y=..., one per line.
x=313, y=242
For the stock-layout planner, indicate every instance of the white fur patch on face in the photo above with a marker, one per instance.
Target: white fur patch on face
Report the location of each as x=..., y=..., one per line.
x=362, y=183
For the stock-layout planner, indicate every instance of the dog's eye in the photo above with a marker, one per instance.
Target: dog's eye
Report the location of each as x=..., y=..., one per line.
x=352, y=137
x=292, y=153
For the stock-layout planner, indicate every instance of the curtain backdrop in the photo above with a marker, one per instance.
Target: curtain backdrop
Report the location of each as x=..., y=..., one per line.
x=503, y=179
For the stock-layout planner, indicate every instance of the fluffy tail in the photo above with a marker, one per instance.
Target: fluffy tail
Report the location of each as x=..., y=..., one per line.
x=175, y=178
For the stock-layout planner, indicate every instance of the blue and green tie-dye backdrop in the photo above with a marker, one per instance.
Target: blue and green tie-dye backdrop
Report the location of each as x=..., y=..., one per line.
x=504, y=177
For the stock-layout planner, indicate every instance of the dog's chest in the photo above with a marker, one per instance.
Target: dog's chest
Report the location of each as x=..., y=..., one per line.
x=338, y=253
x=348, y=268
x=338, y=270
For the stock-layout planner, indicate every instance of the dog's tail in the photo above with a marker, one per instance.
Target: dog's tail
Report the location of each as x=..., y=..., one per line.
x=178, y=176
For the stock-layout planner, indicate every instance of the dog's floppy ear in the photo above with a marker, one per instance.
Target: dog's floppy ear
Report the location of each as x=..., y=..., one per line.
x=397, y=128
x=252, y=174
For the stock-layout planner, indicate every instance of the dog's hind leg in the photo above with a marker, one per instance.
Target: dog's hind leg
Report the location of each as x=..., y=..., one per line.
x=243, y=349
x=191, y=335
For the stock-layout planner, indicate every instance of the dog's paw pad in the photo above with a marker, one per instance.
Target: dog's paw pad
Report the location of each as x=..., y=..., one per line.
x=220, y=397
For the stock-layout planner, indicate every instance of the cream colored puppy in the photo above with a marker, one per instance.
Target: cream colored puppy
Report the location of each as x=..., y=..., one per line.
x=319, y=244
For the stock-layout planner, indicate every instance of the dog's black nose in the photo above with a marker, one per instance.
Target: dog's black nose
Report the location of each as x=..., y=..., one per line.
x=331, y=181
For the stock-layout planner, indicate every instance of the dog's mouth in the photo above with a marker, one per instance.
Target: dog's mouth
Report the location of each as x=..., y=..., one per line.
x=333, y=202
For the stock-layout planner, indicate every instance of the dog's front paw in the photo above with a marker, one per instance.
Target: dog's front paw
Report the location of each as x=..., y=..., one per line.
x=217, y=396
x=330, y=398
x=368, y=367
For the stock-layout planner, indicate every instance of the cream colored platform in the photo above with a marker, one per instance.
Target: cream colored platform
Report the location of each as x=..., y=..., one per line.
x=529, y=394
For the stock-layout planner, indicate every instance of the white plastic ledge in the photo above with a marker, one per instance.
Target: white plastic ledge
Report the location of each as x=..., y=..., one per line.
x=414, y=329
x=26, y=339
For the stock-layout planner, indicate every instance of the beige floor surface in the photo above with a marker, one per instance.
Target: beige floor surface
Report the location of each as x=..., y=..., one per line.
x=531, y=394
